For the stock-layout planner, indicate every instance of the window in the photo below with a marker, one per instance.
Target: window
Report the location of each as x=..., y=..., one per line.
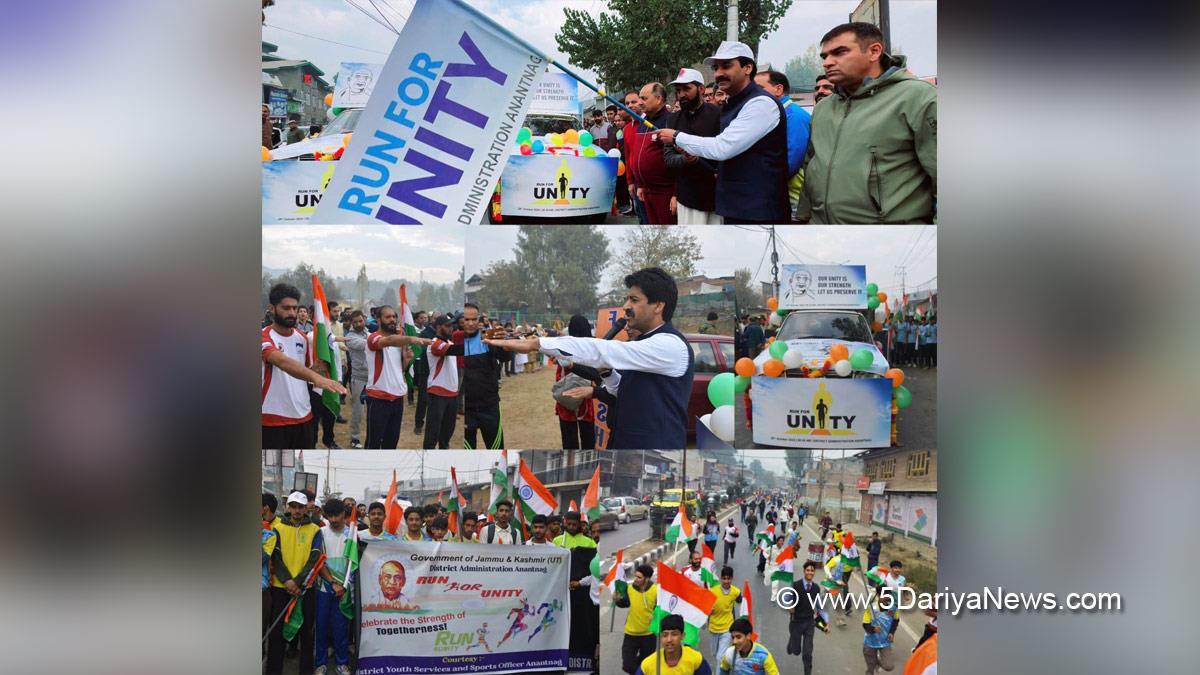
x=704, y=359
x=872, y=471
x=918, y=463
x=888, y=467
x=585, y=457
x=727, y=352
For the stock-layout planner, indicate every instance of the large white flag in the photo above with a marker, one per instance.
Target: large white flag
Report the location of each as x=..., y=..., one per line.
x=440, y=124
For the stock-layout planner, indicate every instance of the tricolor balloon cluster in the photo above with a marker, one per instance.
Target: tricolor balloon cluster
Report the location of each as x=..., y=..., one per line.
x=720, y=394
x=527, y=144
x=840, y=360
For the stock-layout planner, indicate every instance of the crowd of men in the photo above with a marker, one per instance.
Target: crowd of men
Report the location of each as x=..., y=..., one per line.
x=293, y=542
x=731, y=644
x=740, y=150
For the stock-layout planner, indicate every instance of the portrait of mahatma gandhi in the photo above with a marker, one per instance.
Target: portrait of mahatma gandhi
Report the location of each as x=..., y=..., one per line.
x=798, y=284
x=360, y=80
x=391, y=580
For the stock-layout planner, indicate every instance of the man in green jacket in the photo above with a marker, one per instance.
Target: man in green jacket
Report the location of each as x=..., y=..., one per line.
x=872, y=151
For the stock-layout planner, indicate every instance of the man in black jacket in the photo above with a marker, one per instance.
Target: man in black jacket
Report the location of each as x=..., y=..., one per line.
x=481, y=387
x=421, y=371
x=806, y=615
x=696, y=179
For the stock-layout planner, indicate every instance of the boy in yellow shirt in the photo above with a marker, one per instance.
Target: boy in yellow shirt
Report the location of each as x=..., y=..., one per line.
x=723, y=612
x=641, y=597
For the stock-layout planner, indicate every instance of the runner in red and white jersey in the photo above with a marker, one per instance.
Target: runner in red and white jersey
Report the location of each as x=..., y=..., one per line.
x=442, y=386
x=388, y=357
x=286, y=409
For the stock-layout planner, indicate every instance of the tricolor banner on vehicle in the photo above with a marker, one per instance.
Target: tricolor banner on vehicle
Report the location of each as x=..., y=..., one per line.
x=440, y=607
x=439, y=126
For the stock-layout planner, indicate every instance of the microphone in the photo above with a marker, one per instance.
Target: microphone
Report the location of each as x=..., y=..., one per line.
x=617, y=327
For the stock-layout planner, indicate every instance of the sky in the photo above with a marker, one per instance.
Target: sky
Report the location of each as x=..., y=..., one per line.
x=914, y=28
x=388, y=251
x=356, y=471
x=880, y=247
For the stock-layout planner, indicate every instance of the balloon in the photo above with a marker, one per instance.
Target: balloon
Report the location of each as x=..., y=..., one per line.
x=525, y=135
x=526, y=149
x=538, y=147
x=843, y=368
x=337, y=111
x=882, y=296
x=585, y=138
x=781, y=311
x=329, y=115
x=896, y=376
x=839, y=352
x=346, y=139
x=745, y=367
x=778, y=349
x=876, y=326
x=872, y=303
x=571, y=137
x=329, y=100
x=620, y=168
x=706, y=420
x=773, y=368
x=872, y=288
x=589, y=151
x=862, y=359
x=794, y=358
x=771, y=339
x=556, y=140
x=881, y=313
x=903, y=396
x=740, y=383
x=720, y=390
x=775, y=320
x=267, y=157
x=615, y=153
x=722, y=423
x=772, y=304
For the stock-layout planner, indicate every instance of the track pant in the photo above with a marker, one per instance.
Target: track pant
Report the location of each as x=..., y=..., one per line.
x=290, y=436
x=577, y=434
x=331, y=627
x=439, y=426
x=276, y=644
x=487, y=423
x=356, y=407
x=383, y=422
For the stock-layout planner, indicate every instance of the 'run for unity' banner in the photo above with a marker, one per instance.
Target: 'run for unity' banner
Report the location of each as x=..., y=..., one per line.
x=436, y=607
x=437, y=130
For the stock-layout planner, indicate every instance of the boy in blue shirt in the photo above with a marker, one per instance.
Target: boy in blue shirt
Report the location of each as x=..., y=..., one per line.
x=879, y=624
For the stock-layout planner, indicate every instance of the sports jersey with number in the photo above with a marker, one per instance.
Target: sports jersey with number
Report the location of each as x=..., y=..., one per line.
x=284, y=398
x=385, y=370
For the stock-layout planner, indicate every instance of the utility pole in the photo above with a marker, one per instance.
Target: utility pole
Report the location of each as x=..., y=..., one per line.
x=821, y=482
x=328, y=473
x=422, y=497
x=885, y=23
x=774, y=265
x=731, y=21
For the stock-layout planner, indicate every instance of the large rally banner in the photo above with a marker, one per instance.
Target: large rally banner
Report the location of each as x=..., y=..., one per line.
x=823, y=287
x=292, y=190
x=556, y=93
x=546, y=185
x=802, y=412
x=439, y=125
x=455, y=608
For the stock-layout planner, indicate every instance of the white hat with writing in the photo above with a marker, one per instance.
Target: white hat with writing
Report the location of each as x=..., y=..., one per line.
x=730, y=50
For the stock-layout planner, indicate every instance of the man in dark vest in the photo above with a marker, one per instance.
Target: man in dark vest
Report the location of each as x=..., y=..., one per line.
x=695, y=178
x=651, y=375
x=752, y=146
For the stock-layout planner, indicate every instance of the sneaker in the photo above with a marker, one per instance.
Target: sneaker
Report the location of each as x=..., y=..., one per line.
x=319, y=670
x=343, y=670
x=356, y=444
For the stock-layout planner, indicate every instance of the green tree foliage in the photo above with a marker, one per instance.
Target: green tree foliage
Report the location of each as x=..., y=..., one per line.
x=504, y=287
x=743, y=288
x=802, y=71
x=562, y=266
x=673, y=248
x=640, y=41
x=795, y=462
x=301, y=278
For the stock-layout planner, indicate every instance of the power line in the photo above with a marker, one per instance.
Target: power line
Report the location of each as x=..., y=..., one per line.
x=314, y=37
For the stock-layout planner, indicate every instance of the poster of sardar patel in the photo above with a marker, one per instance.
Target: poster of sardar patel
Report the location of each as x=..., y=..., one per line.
x=442, y=607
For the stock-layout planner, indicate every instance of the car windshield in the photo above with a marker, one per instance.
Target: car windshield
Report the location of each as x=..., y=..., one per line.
x=837, y=325
x=611, y=503
x=344, y=123
x=540, y=126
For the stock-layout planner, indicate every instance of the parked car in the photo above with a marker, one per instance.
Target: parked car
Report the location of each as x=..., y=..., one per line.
x=711, y=354
x=608, y=517
x=628, y=508
x=814, y=331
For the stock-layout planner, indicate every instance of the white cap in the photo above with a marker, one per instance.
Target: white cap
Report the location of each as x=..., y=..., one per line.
x=298, y=497
x=687, y=75
x=730, y=50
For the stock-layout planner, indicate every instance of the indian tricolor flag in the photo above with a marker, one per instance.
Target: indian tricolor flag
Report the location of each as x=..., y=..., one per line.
x=681, y=528
x=347, y=603
x=456, y=505
x=616, y=581
x=323, y=346
x=409, y=327
x=678, y=595
x=532, y=495
x=765, y=539
x=591, y=498
x=833, y=574
x=572, y=507
x=784, y=562
x=499, y=484
x=749, y=605
x=708, y=567
x=876, y=575
x=924, y=660
x=393, y=512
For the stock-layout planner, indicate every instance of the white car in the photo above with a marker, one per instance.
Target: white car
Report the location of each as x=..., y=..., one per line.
x=628, y=508
x=814, y=331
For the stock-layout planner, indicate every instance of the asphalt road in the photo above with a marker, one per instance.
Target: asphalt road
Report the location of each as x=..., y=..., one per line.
x=840, y=651
x=916, y=425
x=625, y=535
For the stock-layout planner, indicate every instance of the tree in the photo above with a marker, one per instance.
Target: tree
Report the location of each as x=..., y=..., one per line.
x=756, y=469
x=673, y=248
x=802, y=71
x=361, y=286
x=743, y=289
x=795, y=462
x=642, y=41
x=504, y=287
x=561, y=266
x=301, y=278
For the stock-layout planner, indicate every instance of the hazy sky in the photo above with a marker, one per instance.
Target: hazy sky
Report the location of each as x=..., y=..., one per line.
x=726, y=248
x=388, y=251
x=914, y=28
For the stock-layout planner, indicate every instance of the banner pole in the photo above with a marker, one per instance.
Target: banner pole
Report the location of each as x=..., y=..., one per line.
x=603, y=93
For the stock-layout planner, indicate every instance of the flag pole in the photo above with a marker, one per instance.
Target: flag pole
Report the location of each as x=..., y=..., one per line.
x=603, y=93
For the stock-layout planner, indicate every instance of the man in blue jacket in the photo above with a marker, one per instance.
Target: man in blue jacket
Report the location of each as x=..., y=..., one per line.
x=776, y=84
